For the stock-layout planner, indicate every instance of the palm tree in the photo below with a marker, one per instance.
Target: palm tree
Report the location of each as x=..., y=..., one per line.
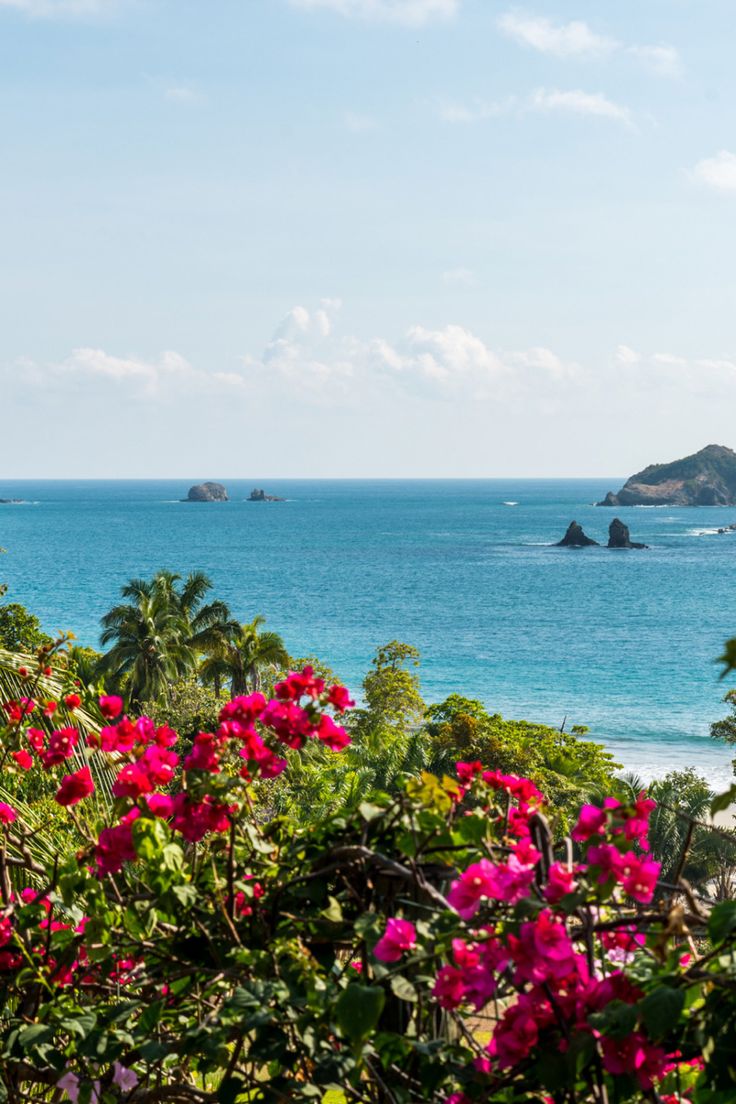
x=158, y=635
x=242, y=654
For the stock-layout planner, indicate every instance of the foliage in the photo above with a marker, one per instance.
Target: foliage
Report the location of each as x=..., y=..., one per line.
x=242, y=655
x=188, y=707
x=569, y=769
x=20, y=630
x=175, y=947
x=159, y=633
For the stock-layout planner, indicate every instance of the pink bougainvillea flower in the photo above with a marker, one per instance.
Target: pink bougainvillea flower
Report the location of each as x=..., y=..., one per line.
x=507, y=882
x=591, y=820
x=111, y=706
x=634, y=1054
x=449, y=987
x=639, y=877
x=72, y=701
x=161, y=805
x=560, y=882
x=23, y=758
x=400, y=936
x=60, y=747
x=75, y=787
x=7, y=813
x=339, y=698
x=331, y=735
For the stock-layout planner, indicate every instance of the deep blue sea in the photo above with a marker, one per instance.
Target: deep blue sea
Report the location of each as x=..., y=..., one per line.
x=622, y=641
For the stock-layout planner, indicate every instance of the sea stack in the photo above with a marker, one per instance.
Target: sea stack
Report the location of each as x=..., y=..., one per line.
x=576, y=538
x=619, y=536
x=207, y=492
x=259, y=495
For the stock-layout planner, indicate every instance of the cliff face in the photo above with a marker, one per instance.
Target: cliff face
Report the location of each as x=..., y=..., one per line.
x=707, y=478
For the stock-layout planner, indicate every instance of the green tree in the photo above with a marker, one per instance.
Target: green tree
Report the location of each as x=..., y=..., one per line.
x=20, y=630
x=242, y=655
x=159, y=633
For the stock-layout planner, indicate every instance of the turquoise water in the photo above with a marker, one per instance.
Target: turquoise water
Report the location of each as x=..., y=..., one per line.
x=621, y=641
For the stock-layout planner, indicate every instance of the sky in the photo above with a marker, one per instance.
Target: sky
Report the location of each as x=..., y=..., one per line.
x=365, y=238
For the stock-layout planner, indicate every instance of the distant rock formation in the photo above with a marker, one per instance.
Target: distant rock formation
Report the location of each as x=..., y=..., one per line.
x=259, y=495
x=11, y=501
x=619, y=536
x=576, y=538
x=207, y=492
x=707, y=478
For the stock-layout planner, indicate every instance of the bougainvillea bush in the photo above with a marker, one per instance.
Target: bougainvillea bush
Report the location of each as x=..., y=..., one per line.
x=175, y=945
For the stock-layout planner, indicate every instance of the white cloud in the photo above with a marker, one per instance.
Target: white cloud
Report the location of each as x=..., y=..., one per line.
x=574, y=101
x=663, y=60
x=578, y=102
x=717, y=172
x=410, y=13
x=574, y=39
x=459, y=277
x=626, y=355
x=578, y=40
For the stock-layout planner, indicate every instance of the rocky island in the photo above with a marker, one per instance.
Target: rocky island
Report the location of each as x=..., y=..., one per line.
x=12, y=501
x=707, y=478
x=207, y=492
x=576, y=538
x=259, y=495
x=619, y=536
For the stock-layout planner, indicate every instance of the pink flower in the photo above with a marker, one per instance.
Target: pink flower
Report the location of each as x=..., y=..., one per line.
x=61, y=746
x=634, y=1055
x=507, y=882
x=125, y=1079
x=475, y=883
x=111, y=706
x=561, y=881
x=74, y=787
x=639, y=877
x=466, y=772
x=591, y=820
x=449, y=987
x=161, y=805
x=23, y=758
x=114, y=847
x=516, y=1033
x=400, y=936
x=609, y=860
x=7, y=813
x=339, y=697
x=331, y=735
x=6, y=931
x=69, y=1083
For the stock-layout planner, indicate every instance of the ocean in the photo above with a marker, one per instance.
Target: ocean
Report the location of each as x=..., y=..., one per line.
x=621, y=641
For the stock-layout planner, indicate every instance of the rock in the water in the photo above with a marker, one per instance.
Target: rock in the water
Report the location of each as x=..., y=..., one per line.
x=575, y=538
x=707, y=478
x=207, y=492
x=259, y=495
x=619, y=536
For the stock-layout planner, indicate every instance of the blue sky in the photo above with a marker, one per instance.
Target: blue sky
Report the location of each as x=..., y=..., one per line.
x=365, y=237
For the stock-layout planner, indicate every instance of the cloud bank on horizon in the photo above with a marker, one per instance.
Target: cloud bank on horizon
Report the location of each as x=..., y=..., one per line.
x=527, y=220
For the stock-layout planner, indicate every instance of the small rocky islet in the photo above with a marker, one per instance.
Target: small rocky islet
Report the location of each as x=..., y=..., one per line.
x=618, y=537
x=207, y=492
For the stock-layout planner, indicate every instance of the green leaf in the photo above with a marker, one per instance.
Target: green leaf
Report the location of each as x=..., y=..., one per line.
x=369, y=811
x=80, y=1025
x=722, y=921
x=722, y=801
x=34, y=1034
x=661, y=1011
x=333, y=911
x=402, y=988
x=358, y=1010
